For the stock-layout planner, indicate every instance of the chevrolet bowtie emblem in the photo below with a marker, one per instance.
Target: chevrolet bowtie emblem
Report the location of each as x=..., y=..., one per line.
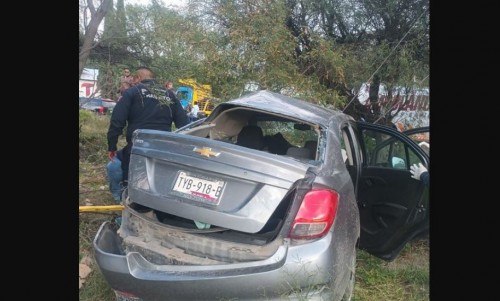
x=206, y=151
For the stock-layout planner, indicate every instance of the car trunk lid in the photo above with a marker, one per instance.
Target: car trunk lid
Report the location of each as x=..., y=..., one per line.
x=211, y=182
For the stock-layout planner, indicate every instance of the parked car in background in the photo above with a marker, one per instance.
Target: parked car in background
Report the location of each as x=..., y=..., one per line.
x=269, y=197
x=100, y=106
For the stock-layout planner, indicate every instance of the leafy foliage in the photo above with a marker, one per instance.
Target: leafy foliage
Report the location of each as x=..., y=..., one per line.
x=322, y=50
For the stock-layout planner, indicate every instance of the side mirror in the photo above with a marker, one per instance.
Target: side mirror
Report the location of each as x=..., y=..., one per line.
x=398, y=163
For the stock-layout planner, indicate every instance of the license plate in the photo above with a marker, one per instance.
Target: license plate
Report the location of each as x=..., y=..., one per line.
x=205, y=189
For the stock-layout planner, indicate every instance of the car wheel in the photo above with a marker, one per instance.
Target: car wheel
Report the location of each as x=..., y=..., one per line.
x=349, y=290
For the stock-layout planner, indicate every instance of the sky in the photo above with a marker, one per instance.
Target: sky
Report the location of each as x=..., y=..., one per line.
x=179, y=3
x=173, y=3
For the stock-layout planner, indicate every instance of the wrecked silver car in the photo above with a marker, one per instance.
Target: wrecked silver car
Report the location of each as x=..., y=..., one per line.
x=268, y=198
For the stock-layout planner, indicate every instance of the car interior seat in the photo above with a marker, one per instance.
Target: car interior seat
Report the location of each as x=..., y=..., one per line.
x=299, y=153
x=251, y=136
x=277, y=144
x=312, y=145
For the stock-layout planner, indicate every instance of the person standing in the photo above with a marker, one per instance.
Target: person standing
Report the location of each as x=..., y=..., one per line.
x=147, y=105
x=126, y=80
x=193, y=112
x=169, y=85
x=115, y=176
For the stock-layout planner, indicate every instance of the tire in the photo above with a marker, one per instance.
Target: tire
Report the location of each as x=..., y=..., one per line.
x=349, y=290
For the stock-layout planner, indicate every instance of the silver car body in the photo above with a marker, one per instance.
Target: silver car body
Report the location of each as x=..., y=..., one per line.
x=234, y=243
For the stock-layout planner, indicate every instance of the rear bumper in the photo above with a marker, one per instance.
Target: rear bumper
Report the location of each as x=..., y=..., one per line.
x=304, y=272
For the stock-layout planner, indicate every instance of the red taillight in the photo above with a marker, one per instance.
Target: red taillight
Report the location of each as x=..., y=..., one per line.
x=316, y=214
x=101, y=109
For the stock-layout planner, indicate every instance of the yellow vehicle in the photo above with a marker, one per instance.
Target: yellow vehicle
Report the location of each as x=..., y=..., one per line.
x=191, y=92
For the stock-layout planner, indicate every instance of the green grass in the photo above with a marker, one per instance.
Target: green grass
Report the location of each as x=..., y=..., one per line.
x=404, y=279
x=93, y=190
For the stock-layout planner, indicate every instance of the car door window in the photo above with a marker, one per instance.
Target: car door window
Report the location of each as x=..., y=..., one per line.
x=345, y=148
x=423, y=140
x=384, y=150
x=349, y=147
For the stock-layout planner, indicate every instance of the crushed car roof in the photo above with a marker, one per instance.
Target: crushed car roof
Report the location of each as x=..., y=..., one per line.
x=284, y=105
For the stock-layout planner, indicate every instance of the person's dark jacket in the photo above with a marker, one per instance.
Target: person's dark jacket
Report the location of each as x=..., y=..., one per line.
x=146, y=105
x=425, y=178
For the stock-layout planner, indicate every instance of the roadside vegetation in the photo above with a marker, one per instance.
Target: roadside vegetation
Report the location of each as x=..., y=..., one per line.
x=321, y=51
x=404, y=279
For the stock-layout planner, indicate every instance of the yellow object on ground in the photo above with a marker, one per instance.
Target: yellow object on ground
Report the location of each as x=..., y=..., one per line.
x=101, y=208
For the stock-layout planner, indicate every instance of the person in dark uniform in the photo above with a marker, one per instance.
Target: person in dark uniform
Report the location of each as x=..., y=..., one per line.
x=146, y=105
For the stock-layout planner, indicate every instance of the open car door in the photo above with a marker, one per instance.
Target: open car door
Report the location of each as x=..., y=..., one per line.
x=393, y=206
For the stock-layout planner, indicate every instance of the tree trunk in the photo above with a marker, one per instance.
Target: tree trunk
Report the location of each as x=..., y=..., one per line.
x=373, y=97
x=96, y=18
